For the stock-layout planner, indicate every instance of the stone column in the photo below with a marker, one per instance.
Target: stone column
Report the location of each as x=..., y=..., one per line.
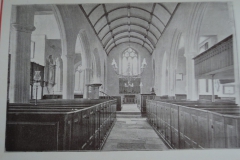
x=68, y=76
x=87, y=73
x=22, y=21
x=236, y=55
x=213, y=95
x=192, y=82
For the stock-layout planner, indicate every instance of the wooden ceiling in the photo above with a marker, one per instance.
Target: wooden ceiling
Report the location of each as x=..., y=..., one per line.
x=140, y=23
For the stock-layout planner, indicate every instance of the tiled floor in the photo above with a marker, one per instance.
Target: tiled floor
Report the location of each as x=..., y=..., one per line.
x=133, y=134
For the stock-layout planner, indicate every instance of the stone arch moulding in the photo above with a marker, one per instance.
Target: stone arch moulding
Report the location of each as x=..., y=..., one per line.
x=98, y=62
x=173, y=57
x=61, y=28
x=164, y=75
x=194, y=23
x=86, y=55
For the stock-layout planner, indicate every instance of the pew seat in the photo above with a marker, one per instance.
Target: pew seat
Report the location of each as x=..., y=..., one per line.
x=59, y=125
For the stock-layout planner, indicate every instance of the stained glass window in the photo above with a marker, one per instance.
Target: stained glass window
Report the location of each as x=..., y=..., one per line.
x=130, y=62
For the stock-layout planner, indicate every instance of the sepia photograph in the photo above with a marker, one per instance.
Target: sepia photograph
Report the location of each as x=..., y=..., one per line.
x=89, y=77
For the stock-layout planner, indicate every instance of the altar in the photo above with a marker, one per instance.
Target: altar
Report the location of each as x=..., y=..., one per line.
x=129, y=99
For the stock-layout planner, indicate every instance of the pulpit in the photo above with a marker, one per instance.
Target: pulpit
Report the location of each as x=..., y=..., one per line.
x=93, y=90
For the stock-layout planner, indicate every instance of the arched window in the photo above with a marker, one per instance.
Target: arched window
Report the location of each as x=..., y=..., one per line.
x=129, y=62
x=79, y=79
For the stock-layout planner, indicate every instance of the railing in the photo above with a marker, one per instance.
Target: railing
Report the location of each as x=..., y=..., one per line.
x=185, y=127
x=215, y=59
x=56, y=127
x=141, y=101
x=106, y=95
x=119, y=99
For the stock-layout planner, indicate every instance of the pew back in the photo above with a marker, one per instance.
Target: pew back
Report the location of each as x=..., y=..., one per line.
x=57, y=127
x=189, y=127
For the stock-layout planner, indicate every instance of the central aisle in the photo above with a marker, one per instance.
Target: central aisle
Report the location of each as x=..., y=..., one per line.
x=132, y=132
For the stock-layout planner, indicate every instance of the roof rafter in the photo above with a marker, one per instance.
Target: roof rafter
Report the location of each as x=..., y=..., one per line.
x=135, y=31
x=164, y=8
x=169, y=20
x=90, y=23
x=133, y=24
x=109, y=25
x=93, y=9
x=140, y=27
x=126, y=7
x=122, y=37
x=123, y=7
x=132, y=17
x=150, y=20
x=129, y=42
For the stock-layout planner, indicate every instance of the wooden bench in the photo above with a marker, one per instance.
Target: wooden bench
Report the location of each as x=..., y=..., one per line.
x=186, y=124
x=54, y=127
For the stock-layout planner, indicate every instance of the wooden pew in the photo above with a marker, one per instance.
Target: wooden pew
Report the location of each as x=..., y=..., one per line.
x=212, y=125
x=54, y=127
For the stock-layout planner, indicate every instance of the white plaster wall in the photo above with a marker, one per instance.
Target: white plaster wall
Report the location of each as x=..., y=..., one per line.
x=46, y=24
x=216, y=21
x=39, y=51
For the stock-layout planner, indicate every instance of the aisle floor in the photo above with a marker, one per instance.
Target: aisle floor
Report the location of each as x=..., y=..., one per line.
x=133, y=134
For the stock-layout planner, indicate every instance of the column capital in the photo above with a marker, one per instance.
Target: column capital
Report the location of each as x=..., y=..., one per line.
x=190, y=55
x=22, y=28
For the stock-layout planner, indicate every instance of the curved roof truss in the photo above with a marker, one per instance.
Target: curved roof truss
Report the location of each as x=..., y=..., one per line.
x=144, y=20
x=127, y=31
x=122, y=37
x=128, y=43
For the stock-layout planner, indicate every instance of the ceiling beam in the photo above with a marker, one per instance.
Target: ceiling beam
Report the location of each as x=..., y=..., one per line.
x=122, y=37
x=134, y=7
x=131, y=16
x=150, y=20
x=169, y=19
x=93, y=9
x=81, y=7
x=134, y=31
x=109, y=25
x=164, y=7
x=132, y=24
x=128, y=42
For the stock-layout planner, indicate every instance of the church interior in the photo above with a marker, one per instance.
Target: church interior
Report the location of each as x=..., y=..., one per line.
x=126, y=76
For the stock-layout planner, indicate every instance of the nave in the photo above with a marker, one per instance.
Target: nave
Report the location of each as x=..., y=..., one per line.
x=74, y=85
x=132, y=132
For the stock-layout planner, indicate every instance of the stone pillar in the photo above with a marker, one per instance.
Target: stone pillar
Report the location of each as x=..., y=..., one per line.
x=68, y=76
x=22, y=21
x=192, y=82
x=236, y=55
x=87, y=73
x=213, y=94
